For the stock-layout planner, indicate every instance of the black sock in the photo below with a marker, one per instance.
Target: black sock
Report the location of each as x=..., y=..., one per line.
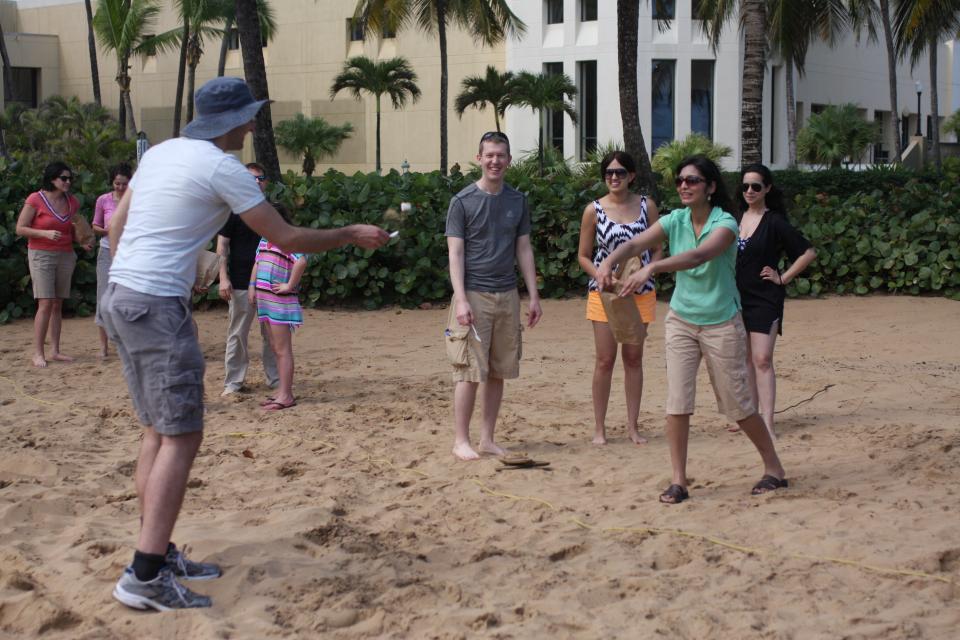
x=147, y=566
x=171, y=546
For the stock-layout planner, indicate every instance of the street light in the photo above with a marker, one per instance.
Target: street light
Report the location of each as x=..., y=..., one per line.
x=405, y=166
x=919, y=91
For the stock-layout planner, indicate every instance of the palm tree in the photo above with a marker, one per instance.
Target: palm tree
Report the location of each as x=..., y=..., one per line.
x=488, y=21
x=793, y=27
x=628, y=17
x=92, y=45
x=394, y=77
x=268, y=30
x=7, y=87
x=312, y=138
x=122, y=26
x=753, y=24
x=478, y=91
x=864, y=15
x=919, y=26
x=251, y=45
x=542, y=92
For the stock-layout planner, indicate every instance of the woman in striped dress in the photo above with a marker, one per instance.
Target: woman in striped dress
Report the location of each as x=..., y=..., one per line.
x=273, y=289
x=607, y=223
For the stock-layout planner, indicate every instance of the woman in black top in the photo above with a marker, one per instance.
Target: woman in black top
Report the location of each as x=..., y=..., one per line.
x=765, y=235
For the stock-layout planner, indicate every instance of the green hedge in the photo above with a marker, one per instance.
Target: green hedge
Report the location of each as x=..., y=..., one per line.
x=899, y=236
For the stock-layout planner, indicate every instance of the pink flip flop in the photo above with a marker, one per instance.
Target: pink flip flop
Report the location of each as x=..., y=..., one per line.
x=278, y=406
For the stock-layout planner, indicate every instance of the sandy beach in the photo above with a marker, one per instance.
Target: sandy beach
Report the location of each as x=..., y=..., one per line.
x=347, y=517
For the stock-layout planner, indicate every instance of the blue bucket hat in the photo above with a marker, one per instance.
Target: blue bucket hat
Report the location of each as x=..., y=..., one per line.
x=222, y=104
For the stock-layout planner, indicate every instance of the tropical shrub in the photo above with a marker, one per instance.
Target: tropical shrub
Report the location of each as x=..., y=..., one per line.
x=669, y=155
x=835, y=135
x=952, y=124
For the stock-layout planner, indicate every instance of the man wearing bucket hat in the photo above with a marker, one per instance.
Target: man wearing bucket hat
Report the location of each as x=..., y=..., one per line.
x=181, y=195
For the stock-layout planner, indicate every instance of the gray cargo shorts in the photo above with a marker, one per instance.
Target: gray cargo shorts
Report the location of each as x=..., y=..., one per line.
x=162, y=360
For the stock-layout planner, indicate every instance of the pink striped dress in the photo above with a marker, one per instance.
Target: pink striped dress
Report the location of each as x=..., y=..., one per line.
x=274, y=267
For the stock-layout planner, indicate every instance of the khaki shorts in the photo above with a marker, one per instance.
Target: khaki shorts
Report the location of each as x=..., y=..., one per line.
x=161, y=358
x=51, y=272
x=724, y=347
x=497, y=353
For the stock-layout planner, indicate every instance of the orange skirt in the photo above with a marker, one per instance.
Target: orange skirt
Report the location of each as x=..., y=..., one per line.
x=646, y=304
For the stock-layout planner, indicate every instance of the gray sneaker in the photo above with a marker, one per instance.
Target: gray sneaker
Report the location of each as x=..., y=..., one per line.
x=163, y=593
x=187, y=569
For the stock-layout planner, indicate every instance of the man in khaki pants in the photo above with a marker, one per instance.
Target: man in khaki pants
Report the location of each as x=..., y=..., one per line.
x=237, y=247
x=488, y=232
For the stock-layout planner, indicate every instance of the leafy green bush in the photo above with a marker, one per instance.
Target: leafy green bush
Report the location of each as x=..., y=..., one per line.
x=668, y=156
x=835, y=135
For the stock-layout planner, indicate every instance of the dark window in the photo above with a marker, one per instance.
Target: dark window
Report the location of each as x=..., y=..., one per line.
x=554, y=119
x=587, y=94
x=664, y=9
x=386, y=33
x=662, y=103
x=354, y=30
x=554, y=11
x=233, y=39
x=695, y=9
x=701, y=97
x=25, y=89
x=588, y=10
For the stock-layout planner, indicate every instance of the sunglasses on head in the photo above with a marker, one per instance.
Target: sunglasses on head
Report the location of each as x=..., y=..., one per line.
x=756, y=187
x=494, y=135
x=618, y=172
x=691, y=181
x=66, y=178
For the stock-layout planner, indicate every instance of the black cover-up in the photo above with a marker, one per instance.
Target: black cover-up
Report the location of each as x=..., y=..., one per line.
x=762, y=300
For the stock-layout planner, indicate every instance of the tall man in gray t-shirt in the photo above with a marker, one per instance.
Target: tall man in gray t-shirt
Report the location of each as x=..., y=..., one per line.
x=488, y=229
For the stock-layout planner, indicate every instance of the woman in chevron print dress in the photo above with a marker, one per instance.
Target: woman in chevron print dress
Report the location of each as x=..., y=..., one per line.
x=273, y=289
x=607, y=223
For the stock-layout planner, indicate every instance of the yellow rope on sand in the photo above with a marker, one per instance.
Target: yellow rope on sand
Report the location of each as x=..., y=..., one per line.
x=384, y=462
x=20, y=391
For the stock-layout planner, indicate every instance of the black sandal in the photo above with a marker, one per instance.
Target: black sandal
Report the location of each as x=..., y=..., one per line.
x=767, y=484
x=675, y=493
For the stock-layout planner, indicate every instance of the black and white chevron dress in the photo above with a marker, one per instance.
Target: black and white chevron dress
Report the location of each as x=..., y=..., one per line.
x=611, y=234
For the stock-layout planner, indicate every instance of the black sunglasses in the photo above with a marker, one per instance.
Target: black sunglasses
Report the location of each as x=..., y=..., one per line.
x=260, y=178
x=66, y=178
x=494, y=135
x=756, y=187
x=691, y=181
x=620, y=173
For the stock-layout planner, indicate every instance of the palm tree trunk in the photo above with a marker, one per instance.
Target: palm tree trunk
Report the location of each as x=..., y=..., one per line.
x=181, y=69
x=264, y=145
x=378, y=134
x=92, y=45
x=540, y=116
x=891, y=76
x=224, y=44
x=934, y=103
x=628, y=17
x=442, y=36
x=131, y=122
x=191, y=84
x=7, y=88
x=496, y=118
x=123, y=80
x=791, y=114
x=122, y=117
x=754, y=67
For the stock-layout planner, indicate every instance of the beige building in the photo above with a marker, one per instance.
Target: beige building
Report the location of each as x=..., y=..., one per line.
x=47, y=41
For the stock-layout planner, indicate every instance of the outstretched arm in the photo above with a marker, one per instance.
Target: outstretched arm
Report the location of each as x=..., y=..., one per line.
x=716, y=243
x=265, y=220
x=652, y=237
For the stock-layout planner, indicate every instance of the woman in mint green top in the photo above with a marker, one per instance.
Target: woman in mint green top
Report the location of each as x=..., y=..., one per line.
x=704, y=320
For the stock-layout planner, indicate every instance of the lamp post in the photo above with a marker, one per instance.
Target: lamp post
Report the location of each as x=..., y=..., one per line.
x=919, y=91
x=405, y=167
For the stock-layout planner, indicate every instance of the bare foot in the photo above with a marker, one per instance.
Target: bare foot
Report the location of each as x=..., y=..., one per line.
x=636, y=438
x=492, y=448
x=733, y=429
x=463, y=451
x=39, y=361
x=102, y=355
x=59, y=357
x=599, y=439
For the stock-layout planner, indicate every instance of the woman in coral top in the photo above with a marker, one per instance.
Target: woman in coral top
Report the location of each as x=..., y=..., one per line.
x=46, y=221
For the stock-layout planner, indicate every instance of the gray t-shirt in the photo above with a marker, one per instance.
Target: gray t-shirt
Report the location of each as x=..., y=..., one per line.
x=489, y=225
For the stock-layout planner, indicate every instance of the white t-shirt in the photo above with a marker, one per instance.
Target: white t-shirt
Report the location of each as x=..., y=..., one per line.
x=183, y=193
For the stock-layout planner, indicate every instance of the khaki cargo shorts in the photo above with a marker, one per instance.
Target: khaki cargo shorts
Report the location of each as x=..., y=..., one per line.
x=495, y=348
x=51, y=272
x=724, y=348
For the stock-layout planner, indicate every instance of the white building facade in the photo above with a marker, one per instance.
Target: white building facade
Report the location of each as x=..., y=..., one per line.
x=685, y=87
